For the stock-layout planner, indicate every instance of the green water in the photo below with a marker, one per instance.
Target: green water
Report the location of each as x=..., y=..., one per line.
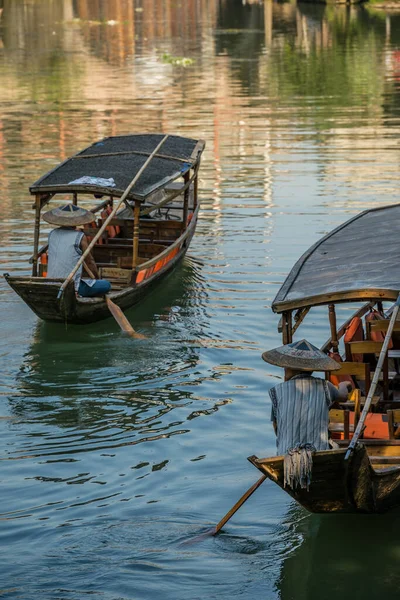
x=114, y=452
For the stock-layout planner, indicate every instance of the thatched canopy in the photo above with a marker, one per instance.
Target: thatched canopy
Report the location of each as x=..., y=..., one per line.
x=359, y=260
x=116, y=160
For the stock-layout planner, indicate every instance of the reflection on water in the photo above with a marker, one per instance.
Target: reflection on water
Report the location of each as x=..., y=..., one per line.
x=114, y=452
x=117, y=391
x=342, y=552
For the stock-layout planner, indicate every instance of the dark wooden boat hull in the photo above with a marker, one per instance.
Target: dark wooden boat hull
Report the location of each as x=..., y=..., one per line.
x=40, y=294
x=339, y=486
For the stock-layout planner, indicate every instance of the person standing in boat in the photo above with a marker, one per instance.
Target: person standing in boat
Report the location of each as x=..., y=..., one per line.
x=66, y=246
x=300, y=407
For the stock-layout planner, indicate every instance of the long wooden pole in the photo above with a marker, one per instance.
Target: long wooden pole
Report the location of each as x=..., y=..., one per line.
x=375, y=379
x=238, y=504
x=108, y=219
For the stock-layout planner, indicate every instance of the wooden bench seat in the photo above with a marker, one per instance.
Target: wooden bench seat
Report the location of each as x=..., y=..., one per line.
x=370, y=348
x=385, y=460
x=385, y=469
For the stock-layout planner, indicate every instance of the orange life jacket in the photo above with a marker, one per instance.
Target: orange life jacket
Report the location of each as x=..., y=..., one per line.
x=376, y=427
x=377, y=336
x=112, y=230
x=43, y=262
x=355, y=333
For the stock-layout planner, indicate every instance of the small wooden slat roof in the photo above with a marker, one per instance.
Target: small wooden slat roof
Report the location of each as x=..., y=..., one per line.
x=359, y=260
x=121, y=158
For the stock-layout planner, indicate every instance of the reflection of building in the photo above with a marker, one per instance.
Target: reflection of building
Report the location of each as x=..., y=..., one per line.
x=90, y=68
x=117, y=30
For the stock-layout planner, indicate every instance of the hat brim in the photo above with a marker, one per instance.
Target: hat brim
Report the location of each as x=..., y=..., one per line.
x=69, y=221
x=324, y=363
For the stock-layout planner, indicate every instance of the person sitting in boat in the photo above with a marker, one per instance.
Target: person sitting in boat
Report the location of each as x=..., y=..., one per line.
x=300, y=407
x=66, y=246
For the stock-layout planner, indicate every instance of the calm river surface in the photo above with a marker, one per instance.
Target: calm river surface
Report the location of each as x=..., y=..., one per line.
x=114, y=452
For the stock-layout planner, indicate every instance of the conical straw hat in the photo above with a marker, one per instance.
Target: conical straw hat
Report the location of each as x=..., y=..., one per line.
x=69, y=215
x=302, y=356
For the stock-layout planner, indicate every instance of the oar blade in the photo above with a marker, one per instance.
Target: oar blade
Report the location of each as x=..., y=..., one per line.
x=122, y=321
x=200, y=537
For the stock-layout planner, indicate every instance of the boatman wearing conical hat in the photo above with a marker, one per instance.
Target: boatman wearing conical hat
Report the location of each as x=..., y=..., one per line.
x=300, y=407
x=66, y=245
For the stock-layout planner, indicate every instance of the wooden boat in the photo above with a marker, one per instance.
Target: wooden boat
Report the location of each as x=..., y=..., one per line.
x=145, y=240
x=343, y=267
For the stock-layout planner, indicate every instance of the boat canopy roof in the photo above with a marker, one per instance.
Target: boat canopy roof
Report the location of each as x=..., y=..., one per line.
x=359, y=260
x=108, y=166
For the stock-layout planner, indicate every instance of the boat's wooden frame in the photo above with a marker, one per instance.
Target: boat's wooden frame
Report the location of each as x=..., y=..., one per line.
x=41, y=293
x=369, y=481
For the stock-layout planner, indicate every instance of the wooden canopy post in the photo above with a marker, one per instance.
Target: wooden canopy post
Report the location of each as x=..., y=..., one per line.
x=36, y=235
x=136, y=226
x=195, y=189
x=287, y=332
x=186, y=196
x=287, y=327
x=75, y=199
x=332, y=322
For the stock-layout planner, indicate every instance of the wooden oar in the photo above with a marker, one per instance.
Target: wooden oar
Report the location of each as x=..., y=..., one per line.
x=360, y=425
x=122, y=321
x=238, y=504
x=236, y=507
x=117, y=313
x=108, y=219
x=217, y=528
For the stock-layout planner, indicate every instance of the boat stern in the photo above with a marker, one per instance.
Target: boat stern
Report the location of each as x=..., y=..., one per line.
x=40, y=294
x=337, y=486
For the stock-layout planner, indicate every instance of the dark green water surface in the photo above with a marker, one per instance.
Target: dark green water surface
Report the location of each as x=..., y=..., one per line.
x=114, y=453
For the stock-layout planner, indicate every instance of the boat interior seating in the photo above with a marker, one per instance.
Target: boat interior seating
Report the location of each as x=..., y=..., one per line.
x=339, y=424
x=394, y=424
x=343, y=420
x=379, y=328
x=359, y=375
x=383, y=422
x=159, y=232
x=368, y=350
x=342, y=423
x=114, y=250
x=353, y=371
